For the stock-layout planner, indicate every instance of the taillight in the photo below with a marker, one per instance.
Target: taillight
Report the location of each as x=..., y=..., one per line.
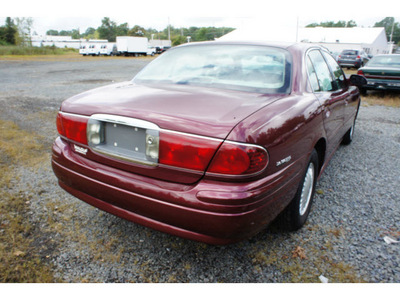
x=239, y=159
x=186, y=151
x=360, y=72
x=197, y=153
x=73, y=127
x=60, y=128
x=358, y=56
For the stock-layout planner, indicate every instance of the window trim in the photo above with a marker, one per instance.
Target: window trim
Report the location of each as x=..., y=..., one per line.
x=332, y=73
x=329, y=69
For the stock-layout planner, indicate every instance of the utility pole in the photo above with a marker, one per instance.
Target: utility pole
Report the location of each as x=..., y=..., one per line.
x=391, y=36
x=169, y=30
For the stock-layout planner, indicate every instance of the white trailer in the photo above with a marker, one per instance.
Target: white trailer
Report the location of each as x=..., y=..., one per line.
x=108, y=49
x=130, y=45
x=160, y=43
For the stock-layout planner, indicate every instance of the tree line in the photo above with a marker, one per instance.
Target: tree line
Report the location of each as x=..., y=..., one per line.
x=109, y=30
x=18, y=31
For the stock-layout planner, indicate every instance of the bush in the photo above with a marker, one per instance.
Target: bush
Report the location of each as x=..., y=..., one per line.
x=47, y=50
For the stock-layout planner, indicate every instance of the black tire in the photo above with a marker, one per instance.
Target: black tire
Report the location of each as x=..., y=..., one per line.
x=295, y=214
x=363, y=91
x=348, y=137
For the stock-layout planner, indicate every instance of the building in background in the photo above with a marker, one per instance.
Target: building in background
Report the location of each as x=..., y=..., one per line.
x=60, y=41
x=372, y=40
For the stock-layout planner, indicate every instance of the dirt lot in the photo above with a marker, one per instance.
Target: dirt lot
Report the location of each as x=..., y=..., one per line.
x=47, y=235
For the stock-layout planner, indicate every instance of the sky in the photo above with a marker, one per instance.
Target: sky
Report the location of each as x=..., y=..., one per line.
x=157, y=14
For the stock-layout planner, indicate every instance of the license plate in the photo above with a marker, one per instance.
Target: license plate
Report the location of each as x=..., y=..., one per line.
x=124, y=141
x=125, y=137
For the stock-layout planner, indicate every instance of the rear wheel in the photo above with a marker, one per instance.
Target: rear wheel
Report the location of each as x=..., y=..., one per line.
x=295, y=215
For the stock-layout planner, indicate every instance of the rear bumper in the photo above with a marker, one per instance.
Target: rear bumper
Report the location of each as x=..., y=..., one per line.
x=208, y=211
x=352, y=64
x=379, y=84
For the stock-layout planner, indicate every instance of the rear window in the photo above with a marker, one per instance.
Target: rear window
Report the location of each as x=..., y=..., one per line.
x=350, y=52
x=237, y=67
x=385, y=61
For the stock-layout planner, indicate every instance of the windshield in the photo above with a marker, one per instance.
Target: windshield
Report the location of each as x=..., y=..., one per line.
x=237, y=67
x=385, y=61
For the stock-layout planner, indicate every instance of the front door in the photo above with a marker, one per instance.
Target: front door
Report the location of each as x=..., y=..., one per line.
x=332, y=92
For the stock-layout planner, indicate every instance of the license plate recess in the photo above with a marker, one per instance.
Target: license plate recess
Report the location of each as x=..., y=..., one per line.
x=125, y=138
x=125, y=141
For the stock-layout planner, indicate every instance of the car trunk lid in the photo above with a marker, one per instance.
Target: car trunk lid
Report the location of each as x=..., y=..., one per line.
x=380, y=73
x=200, y=115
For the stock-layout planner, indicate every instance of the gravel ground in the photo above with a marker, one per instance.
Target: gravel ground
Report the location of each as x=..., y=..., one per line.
x=356, y=204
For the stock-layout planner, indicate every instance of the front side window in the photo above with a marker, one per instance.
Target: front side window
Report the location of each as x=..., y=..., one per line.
x=322, y=70
x=249, y=68
x=339, y=77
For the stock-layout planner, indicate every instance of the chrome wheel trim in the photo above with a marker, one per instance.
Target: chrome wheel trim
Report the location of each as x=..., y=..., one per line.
x=351, y=131
x=307, y=189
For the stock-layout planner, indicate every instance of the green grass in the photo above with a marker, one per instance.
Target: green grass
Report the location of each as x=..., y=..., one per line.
x=18, y=50
x=384, y=98
x=389, y=99
x=19, y=260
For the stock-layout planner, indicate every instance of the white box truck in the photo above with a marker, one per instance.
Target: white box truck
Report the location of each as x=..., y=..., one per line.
x=131, y=45
x=160, y=45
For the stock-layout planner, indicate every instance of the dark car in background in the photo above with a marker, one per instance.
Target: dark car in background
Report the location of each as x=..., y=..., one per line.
x=382, y=73
x=210, y=141
x=352, y=58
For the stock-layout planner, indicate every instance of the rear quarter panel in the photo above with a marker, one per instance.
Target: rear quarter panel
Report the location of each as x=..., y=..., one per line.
x=289, y=128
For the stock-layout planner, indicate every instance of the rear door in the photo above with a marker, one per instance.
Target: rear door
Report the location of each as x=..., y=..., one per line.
x=332, y=92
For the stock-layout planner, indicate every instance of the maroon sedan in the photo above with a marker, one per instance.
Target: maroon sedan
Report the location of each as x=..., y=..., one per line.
x=210, y=141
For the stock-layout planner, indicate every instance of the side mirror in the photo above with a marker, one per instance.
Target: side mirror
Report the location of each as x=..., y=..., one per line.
x=357, y=80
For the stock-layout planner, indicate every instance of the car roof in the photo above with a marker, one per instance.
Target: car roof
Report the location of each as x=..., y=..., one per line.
x=284, y=45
